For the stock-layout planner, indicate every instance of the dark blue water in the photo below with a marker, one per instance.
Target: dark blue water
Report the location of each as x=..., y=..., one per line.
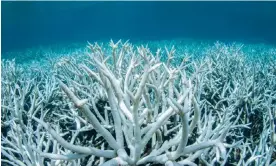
x=28, y=24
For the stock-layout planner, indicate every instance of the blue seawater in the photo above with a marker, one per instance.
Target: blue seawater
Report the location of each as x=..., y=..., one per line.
x=33, y=24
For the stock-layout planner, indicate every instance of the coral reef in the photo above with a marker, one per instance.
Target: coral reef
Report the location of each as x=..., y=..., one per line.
x=128, y=105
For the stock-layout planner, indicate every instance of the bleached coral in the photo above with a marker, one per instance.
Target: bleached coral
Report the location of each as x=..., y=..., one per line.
x=129, y=106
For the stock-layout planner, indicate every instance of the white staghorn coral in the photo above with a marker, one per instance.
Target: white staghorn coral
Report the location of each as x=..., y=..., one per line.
x=126, y=106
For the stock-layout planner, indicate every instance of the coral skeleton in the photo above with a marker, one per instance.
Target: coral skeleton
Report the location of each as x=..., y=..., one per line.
x=128, y=105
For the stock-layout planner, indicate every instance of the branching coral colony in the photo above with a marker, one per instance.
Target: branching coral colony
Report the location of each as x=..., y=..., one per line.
x=124, y=106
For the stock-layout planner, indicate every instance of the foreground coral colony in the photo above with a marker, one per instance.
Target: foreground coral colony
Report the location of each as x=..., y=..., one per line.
x=118, y=103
